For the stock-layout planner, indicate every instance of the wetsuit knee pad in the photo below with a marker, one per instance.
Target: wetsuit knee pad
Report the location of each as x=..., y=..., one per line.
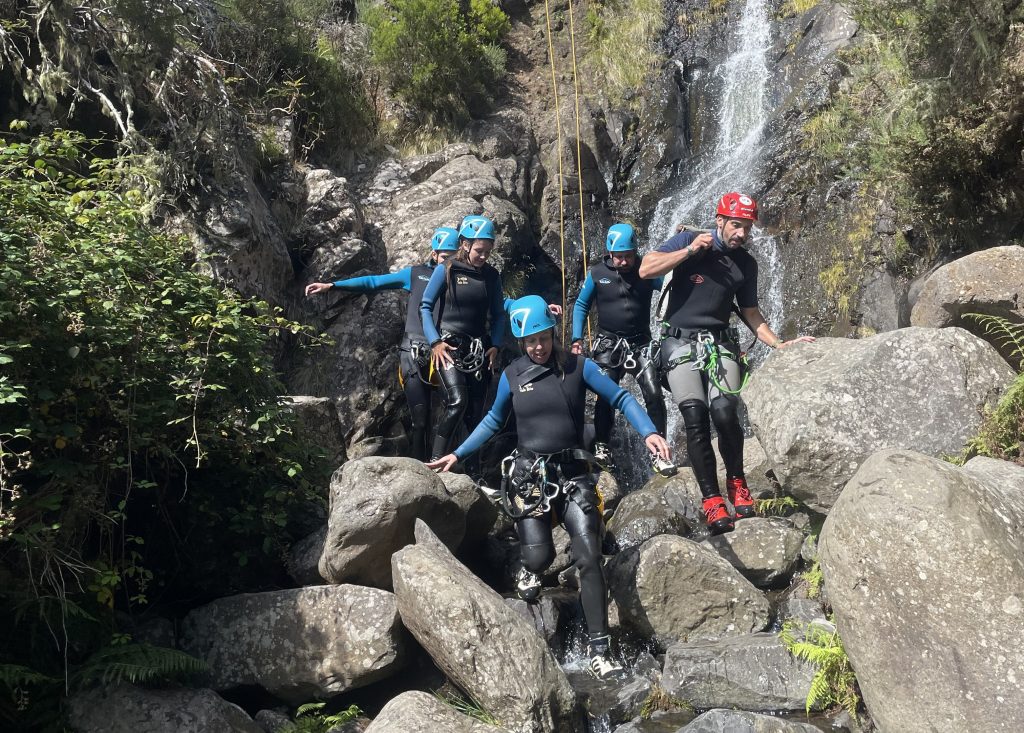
x=724, y=410
x=696, y=415
x=420, y=416
x=537, y=558
x=586, y=550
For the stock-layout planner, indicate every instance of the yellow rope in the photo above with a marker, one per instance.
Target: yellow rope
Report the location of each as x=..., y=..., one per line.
x=558, y=128
x=579, y=150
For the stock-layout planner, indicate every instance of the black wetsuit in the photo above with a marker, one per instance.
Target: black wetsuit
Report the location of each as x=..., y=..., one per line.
x=622, y=342
x=700, y=300
x=471, y=297
x=549, y=405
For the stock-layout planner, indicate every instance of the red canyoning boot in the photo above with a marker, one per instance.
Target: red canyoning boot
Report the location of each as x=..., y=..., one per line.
x=739, y=497
x=717, y=515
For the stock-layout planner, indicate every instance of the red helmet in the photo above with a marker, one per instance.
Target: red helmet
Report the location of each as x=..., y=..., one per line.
x=737, y=206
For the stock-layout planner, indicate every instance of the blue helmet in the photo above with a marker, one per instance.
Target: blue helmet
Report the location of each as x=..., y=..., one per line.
x=529, y=315
x=477, y=227
x=620, y=238
x=445, y=239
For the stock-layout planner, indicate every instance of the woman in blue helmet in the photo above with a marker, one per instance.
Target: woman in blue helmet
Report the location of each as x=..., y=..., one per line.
x=414, y=352
x=464, y=342
x=550, y=471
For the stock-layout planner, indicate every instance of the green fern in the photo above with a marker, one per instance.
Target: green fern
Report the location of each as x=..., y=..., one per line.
x=814, y=578
x=777, y=506
x=467, y=706
x=309, y=718
x=834, y=682
x=1003, y=331
x=135, y=663
x=15, y=675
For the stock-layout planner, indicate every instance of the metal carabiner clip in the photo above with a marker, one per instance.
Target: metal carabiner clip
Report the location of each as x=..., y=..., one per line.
x=629, y=362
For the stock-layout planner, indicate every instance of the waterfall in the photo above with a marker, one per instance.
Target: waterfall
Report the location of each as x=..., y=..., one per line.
x=732, y=163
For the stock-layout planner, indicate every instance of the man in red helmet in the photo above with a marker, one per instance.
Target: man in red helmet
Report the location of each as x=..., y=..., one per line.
x=711, y=270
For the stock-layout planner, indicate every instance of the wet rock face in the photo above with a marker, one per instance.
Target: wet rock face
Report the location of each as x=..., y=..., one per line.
x=821, y=409
x=130, y=709
x=300, y=645
x=925, y=561
x=374, y=505
x=421, y=712
x=990, y=282
x=479, y=642
x=318, y=425
x=752, y=672
x=739, y=721
x=672, y=589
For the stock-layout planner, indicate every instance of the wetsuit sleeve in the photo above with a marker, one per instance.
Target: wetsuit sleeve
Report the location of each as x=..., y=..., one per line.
x=497, y=312
x=491, y=423
x=430, y=295
x=369, y=283
x=618, y=398
x=746, y=296
x=582, y=307
x=677, y=242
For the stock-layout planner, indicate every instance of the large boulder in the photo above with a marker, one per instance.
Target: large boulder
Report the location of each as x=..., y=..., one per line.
x=820, y=409
x=990, y=282
x=742, y=721
x=299, y=644
x=303, y=560
x=924, y=565
x=752, y=672
x=673, y=589
x=129, y=709
x=662, y=506
x=421, y=712
x=481, y=644
x=765, y=551
x=374, y=504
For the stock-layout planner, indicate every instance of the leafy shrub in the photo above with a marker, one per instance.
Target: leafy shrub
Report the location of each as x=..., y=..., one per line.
x=143, y=448
x=623, y=40
x=440, y=59
x=1002, y=431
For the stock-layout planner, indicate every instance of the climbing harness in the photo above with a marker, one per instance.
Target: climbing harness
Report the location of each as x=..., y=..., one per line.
x=622, y=352
x=469, y=353
x=534, y=493
x=705, y=354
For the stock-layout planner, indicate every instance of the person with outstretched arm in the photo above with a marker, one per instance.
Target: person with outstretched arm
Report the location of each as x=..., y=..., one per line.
x=711, y=271
x=549, y=471
x=414, y=360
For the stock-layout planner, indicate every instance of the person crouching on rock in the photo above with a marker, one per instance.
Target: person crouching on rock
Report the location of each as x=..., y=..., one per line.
x=414, y=353
x=549, y=470
x=464, y=349
x=702, y=361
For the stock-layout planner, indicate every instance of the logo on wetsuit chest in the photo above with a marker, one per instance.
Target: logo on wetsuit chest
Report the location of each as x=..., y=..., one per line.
x=696, y=278
x=462, y=280
x=528, y=387
x=424, y=278
x=605, y=281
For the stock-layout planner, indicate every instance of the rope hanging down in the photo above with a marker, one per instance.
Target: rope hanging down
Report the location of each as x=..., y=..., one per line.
x=558, y=128
x=579, y=151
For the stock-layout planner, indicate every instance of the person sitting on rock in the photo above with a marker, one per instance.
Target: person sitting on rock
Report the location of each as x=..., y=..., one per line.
x=414, y=351
x=622, y=344
x=550, y=471
x=464, y=349
x=703, y=363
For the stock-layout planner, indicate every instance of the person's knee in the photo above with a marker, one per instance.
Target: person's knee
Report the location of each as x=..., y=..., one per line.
x=725, y=409
x=587, y=553
x=420, y=416
x=458, y=400
x=695, y=414
x=537, y=558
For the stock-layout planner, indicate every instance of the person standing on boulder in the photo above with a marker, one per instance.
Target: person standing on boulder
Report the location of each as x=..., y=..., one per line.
x=549, y=472
x=622, y=344
x=464, y=349
x=711, y=270
x=413, y=353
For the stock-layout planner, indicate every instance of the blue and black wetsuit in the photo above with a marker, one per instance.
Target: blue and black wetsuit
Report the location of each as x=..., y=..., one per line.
x=700, y=302
x=549, y=401
x=471, y=298
x=413, y=354
x=622, y=344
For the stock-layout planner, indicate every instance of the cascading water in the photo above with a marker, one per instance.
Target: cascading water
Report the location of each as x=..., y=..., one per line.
x=732, y=163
